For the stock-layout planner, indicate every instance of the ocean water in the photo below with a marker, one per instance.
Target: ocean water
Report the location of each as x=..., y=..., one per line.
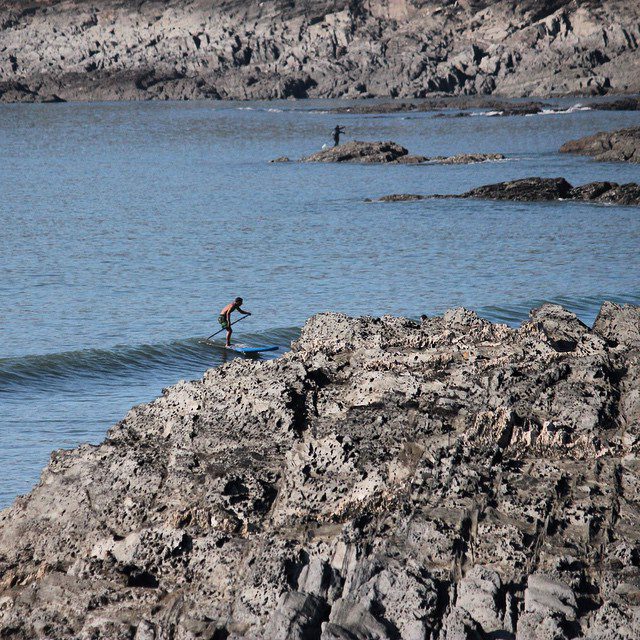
x=126, y=227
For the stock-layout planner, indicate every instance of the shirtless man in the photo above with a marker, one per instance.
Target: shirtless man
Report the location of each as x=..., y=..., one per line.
x=225, y=317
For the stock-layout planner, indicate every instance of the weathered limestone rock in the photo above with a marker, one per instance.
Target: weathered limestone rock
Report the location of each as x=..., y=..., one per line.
x=190, y=49
x=608, y=146
x=386, y=479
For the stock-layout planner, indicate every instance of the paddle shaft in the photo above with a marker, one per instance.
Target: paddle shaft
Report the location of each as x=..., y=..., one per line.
x=221, y=330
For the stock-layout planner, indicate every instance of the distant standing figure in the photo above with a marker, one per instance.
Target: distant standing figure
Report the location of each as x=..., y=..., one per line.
x=336, y=135
x=225, y=317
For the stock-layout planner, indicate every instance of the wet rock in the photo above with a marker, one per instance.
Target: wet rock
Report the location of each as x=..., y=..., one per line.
x=548, y=189
x=526, y=189
x=280, y=159
x=386, y=478
x=365, y=152
x=608, y=146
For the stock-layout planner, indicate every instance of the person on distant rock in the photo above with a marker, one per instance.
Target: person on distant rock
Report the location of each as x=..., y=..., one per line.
x=225, y=317
x=336, y=135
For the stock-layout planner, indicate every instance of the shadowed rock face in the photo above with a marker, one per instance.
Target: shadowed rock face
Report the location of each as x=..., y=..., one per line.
x=383, y=480
x=187, y=49
x=608, y=146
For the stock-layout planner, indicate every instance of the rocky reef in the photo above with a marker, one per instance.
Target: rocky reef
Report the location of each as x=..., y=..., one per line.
x=387, y=153
x=539, y=190
x=449, y=478
x=185, y=49
x=608, y=146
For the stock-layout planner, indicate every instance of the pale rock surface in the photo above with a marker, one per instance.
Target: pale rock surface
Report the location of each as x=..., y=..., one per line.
x=189, y=49
x=451, y=479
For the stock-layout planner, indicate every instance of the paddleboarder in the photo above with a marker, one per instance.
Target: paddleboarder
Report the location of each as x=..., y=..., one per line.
x=336, y=135
x=225, y=317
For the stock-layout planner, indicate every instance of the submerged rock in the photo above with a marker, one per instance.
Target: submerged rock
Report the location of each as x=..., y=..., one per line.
x=385, y=479
x=541, y=189
x=608, y=146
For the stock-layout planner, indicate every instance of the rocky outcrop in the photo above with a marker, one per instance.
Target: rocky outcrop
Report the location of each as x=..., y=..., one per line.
x=540, y=190
x=525, y=189
x=608, y=146
x=386, y=479
x=389, y=153
x=188, y=49
x=366, y=152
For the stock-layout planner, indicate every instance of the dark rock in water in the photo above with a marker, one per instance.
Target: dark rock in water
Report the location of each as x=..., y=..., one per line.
x=590, y=191
x=522, y=109
x=400, y=197
x=623, y=104
x=526, y=189
x=365, y=152
x=467, y=158
x=608, y=193
x=386, y=479
x=543, y=189
x=280, y=159
x=608, y=146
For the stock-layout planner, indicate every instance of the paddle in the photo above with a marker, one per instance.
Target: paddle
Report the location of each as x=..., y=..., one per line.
x=221, y=330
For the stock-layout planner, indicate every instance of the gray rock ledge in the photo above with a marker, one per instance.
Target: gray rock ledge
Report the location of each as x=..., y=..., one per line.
x=385, y=479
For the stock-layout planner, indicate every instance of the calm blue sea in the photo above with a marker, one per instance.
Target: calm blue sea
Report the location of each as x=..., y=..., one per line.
x=124, y=228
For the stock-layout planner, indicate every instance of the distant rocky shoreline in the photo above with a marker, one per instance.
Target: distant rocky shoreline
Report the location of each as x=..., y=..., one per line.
x=190, y=49
x=448, y=479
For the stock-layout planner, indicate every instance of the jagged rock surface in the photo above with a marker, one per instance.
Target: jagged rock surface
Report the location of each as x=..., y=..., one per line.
x=113, y=50
x=451, y=479
x=608, y=146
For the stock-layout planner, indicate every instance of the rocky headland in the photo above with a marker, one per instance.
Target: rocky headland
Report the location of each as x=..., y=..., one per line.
x=608, y=146
x=386, y=479
x=539, y=190
x=387, y=153
x=116, y=50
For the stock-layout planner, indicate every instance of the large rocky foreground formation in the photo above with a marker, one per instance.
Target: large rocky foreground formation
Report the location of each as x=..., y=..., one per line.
x=386, y=479
x=117, y=49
